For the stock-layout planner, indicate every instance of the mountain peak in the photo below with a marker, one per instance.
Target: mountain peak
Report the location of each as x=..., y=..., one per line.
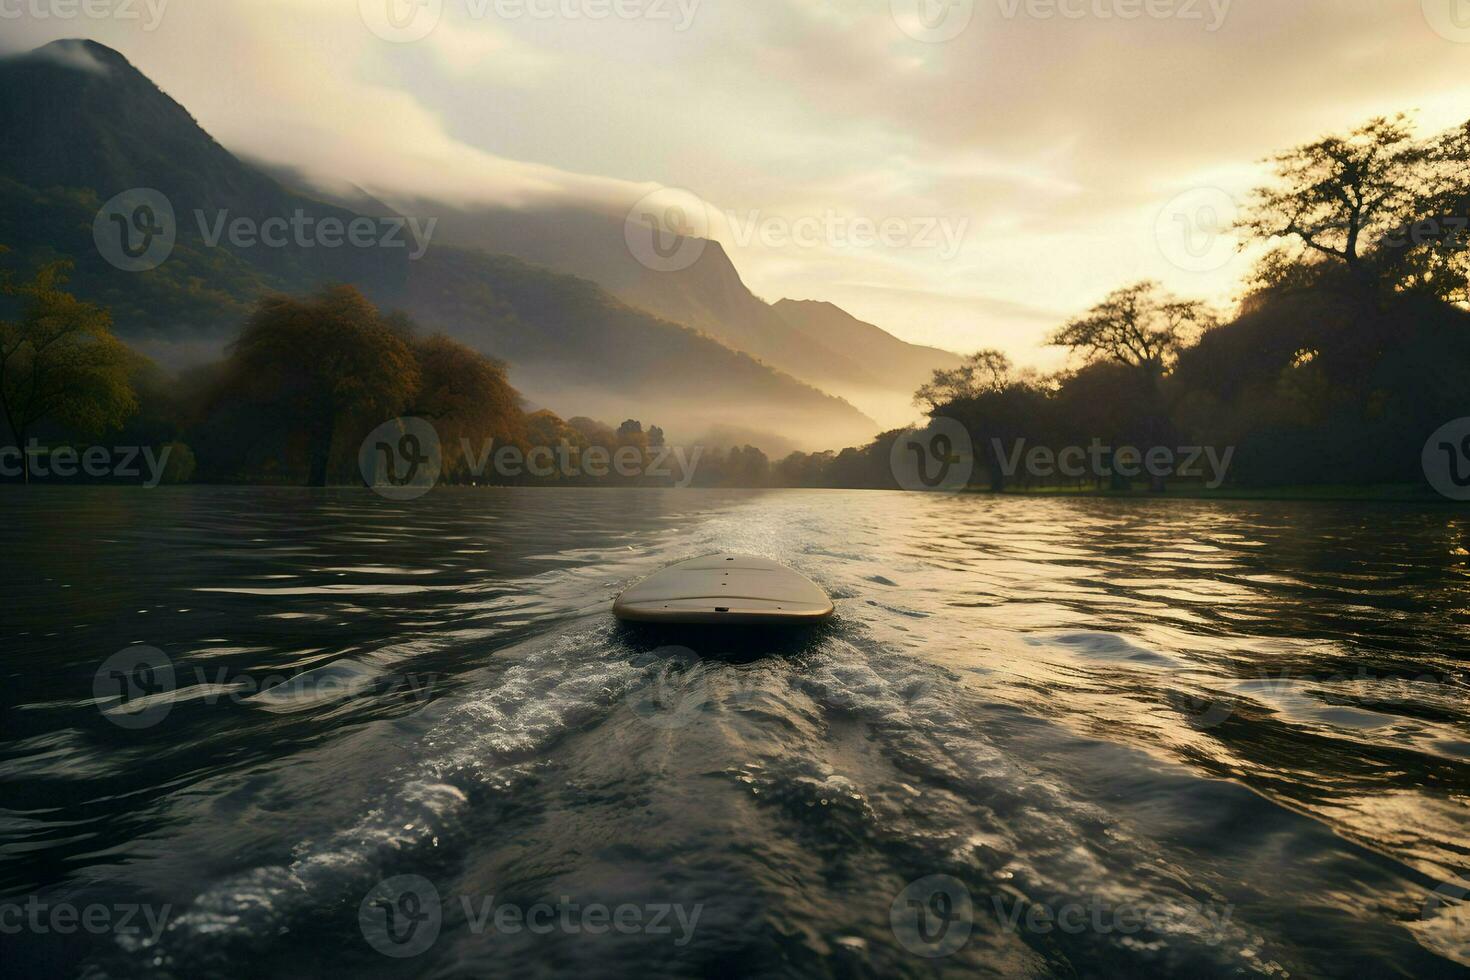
x=81, y=54
x=79, y=114
x=810, y=304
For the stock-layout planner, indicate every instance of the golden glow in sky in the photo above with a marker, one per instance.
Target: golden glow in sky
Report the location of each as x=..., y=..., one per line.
x=961, y=173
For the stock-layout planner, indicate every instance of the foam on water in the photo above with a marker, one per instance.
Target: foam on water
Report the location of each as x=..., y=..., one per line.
x=1249, y=729
x=466, y=749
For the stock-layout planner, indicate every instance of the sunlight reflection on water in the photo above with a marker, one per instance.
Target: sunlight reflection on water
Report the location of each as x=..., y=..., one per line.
x=1162, y=703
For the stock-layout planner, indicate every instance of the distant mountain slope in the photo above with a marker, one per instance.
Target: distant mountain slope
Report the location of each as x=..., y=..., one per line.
x=690, y=384
x=825, y=347
x=709, y=295
x=902, y=362
x=839, y=353
x=79, y=124
x=85, y=117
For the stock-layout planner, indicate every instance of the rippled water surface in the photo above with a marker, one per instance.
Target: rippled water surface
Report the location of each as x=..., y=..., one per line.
x=1144, y=737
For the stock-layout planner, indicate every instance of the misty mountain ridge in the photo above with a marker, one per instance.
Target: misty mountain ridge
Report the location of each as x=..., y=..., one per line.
x=904, y=366
x=839, y=353
x=77, y=116
x=82, y=124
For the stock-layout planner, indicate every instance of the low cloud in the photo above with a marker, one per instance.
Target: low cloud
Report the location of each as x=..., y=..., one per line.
x=73, y=54
x=1057, y=141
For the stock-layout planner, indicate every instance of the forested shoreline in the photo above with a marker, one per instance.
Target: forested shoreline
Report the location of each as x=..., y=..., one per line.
x=1350, y=345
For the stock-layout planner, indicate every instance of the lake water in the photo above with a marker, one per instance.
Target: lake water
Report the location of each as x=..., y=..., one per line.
x=324, y=733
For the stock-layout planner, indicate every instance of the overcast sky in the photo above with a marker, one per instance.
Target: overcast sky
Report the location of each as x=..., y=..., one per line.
x=1048, y=146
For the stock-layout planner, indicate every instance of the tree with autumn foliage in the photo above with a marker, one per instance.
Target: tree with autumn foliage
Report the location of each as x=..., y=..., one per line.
x=309, y=377
x=316, y=368
x=59, y=361
x=468, y=398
